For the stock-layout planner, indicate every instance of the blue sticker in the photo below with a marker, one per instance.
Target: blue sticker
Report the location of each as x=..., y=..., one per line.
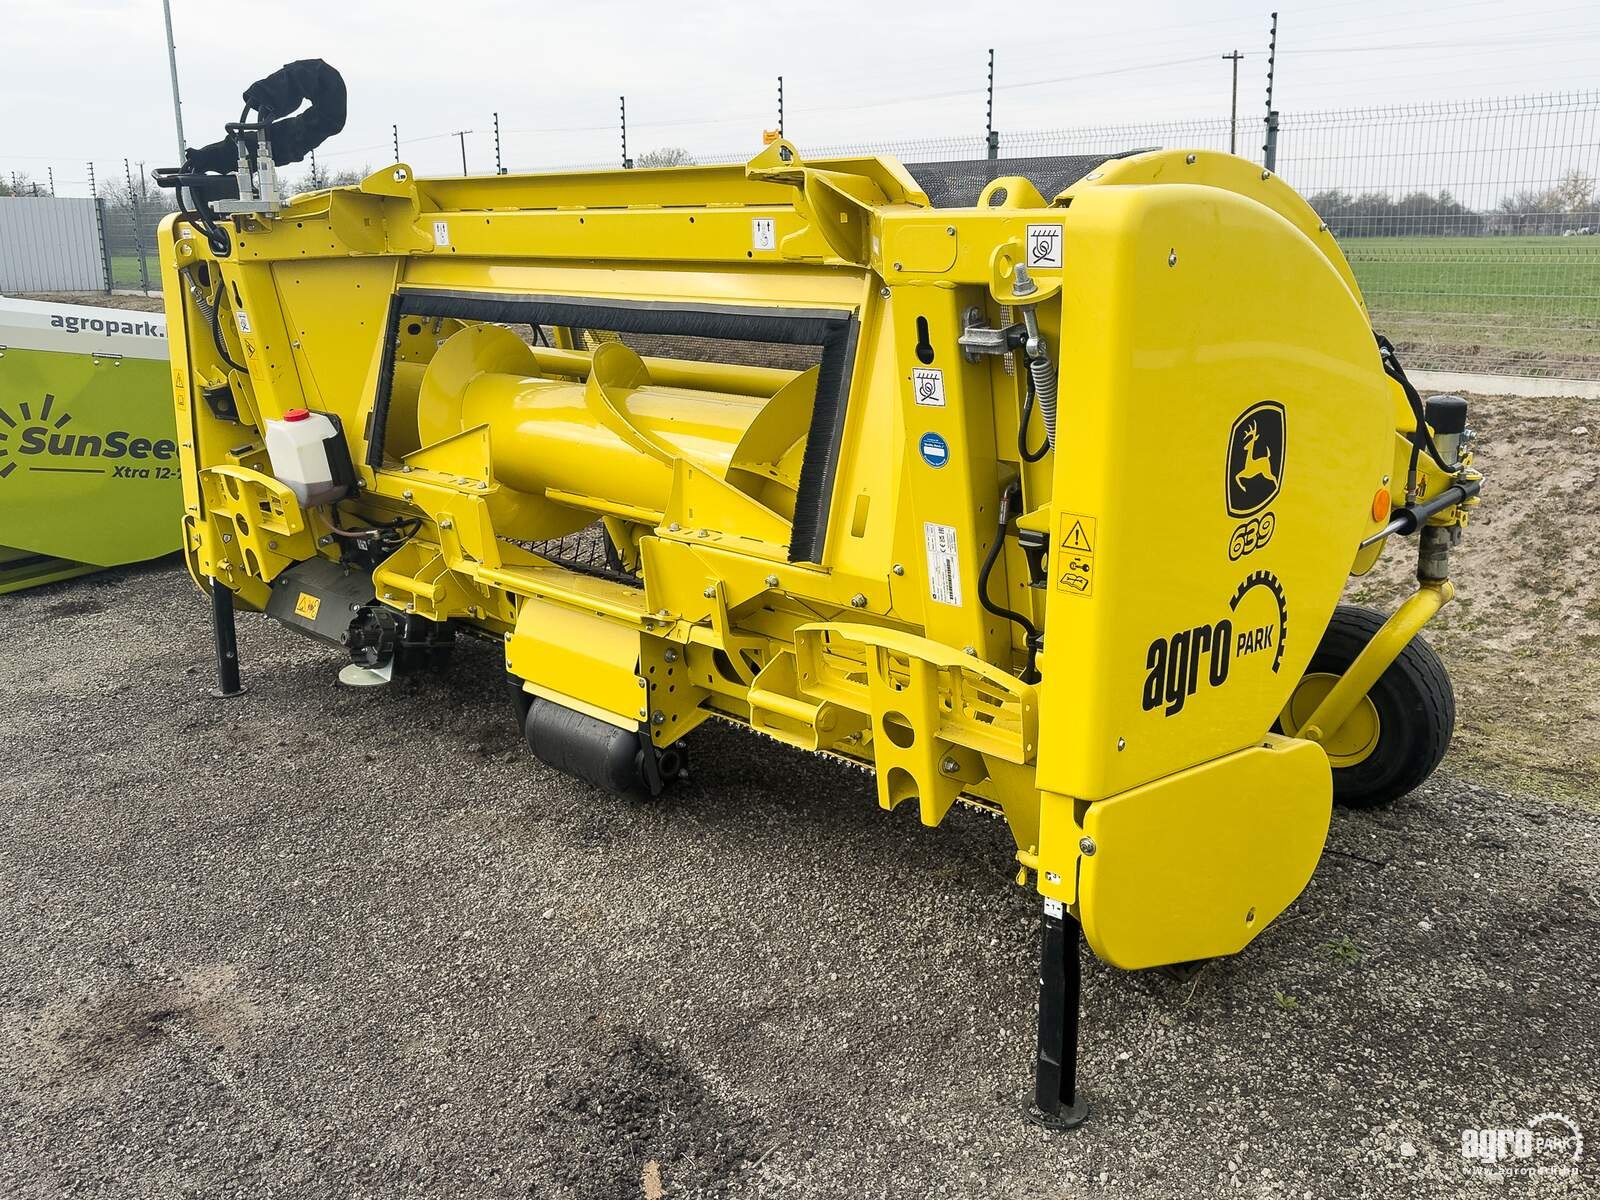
x=935, y=450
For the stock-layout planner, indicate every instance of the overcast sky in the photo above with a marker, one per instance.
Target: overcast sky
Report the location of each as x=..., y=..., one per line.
x=87, y=79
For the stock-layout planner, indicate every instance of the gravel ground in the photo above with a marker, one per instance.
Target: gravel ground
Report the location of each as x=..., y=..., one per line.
x=314, y=942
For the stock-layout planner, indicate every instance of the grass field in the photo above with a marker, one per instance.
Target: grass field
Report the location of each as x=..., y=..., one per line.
x=125, y=270
x=1514, y=305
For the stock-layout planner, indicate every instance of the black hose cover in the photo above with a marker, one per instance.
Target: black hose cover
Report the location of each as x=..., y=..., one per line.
x=292, y=137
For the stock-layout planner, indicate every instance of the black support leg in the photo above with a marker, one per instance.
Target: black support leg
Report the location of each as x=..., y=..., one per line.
x=227, y=644
x=1056, y=1102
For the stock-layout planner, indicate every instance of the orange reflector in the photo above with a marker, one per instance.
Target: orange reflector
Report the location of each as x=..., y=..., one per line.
x=1380, y=504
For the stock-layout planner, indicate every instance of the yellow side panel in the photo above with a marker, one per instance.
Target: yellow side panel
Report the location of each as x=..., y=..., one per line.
x=1222, y=430
x=1195, y=865
x=579, y=659
x=335, y=311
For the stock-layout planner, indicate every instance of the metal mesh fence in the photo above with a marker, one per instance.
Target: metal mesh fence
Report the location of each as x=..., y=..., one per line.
x=1473, y=227
x=130, y=238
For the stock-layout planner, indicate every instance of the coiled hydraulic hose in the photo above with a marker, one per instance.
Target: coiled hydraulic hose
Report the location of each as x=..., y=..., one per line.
x=208, y=309
x=1043, y=373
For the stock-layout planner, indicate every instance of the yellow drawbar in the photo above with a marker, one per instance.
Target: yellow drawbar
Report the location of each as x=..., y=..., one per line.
x=1039, y=505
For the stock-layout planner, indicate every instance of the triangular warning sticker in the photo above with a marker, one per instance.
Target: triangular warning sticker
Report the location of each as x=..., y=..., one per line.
x=1077, y=538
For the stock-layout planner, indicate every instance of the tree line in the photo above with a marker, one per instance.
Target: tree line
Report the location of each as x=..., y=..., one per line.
x=1569, y=206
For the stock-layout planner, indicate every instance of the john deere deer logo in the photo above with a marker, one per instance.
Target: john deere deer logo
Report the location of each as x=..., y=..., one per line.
x=1255, y=458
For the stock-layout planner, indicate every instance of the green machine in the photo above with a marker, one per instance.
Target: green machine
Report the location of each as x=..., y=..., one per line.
x=88, y=452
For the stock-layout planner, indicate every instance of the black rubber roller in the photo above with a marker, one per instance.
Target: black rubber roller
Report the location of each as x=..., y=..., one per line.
x=618, y=760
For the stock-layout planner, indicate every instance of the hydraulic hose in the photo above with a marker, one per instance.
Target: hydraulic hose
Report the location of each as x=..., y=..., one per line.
x=1032, y=638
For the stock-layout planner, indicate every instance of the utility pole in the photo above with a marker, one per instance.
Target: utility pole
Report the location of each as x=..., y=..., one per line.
x=395, y=130
x=172, y=62
x=1233, y=118
x=991, y=139
x=780, y=105
x=498, y=169
x=627, y=163
x=461, y=134
x=51, y=172
x=1269, y=151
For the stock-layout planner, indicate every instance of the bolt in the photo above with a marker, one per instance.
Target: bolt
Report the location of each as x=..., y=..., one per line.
x=710, y=593
x=949, y=766
x=702, y=533
x=1190, y=159
x=641, y=681
x=1087, y=846
x=772, y=581
x=446, y=523
x=658, y=717
x=950, y=229
x=670, y=656
x=674, y=527
x=899, y=568
x=407, y=468
x=272, y=545
x=1266, y=174
x=971, y=651
x=883, y=292
x=896, y=266
x=1172, y=258
x=227, y=537
x=508, y=638
x=406, y=495
x=1052, y=877
x=483, y=485
x=858, y=601
x=1121, y=744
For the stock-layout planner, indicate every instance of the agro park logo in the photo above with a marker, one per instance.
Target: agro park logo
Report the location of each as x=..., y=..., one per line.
x=41, y=441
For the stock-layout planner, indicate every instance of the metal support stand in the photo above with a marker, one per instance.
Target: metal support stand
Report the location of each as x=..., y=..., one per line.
x=1056, y=1102
x=227, y=644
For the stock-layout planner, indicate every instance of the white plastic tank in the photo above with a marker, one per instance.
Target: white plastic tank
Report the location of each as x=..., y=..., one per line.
x=302, y=457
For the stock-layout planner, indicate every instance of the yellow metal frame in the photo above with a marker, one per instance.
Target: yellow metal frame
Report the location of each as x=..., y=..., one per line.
x=1177, y=292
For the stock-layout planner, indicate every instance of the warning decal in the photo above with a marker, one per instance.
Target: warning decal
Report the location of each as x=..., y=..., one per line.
x=306, y=605
x=944, y=563
x=1044, y=245
x=928, y=384
x=763, y=234
x=1072, y=559
x=441, y=233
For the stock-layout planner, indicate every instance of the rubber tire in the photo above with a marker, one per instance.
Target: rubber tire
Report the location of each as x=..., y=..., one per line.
x=1416, y=711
